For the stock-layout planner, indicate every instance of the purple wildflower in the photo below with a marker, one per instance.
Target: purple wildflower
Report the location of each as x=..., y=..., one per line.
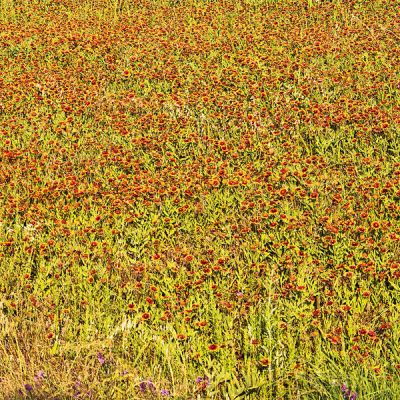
x=143, y=386
x=37, y=378
x=100, y=357
x=40, y=374
x=76, y=386
x=164, y=392
x=347, y=392
x=150, y=385
x=205, y=380
x=28, y=387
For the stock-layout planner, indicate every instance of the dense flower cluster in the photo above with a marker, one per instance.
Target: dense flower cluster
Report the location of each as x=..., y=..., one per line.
x=198, y=187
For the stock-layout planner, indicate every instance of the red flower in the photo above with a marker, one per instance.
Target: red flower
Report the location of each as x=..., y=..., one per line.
x=149, y=300
x=145, y=316
x=264, y=361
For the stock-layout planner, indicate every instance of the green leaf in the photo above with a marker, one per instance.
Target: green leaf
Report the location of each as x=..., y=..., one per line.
x=250, y=390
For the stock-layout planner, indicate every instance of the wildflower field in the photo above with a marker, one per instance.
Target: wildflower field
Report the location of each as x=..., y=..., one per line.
x=199, y=199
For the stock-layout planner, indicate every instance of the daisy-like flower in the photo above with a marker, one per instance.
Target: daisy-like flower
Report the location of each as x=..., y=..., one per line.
x=264, y=361
x=375, y=225
x=145, y=316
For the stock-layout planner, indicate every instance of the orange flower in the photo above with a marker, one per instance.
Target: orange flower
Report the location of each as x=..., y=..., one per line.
x=213, y=347
x=334, y=339
x=264, y=361
x=375, y=225
x=215, y=182
x=126, y=73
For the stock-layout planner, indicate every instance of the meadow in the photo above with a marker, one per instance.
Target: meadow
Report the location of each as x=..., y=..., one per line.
x=199, y=199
